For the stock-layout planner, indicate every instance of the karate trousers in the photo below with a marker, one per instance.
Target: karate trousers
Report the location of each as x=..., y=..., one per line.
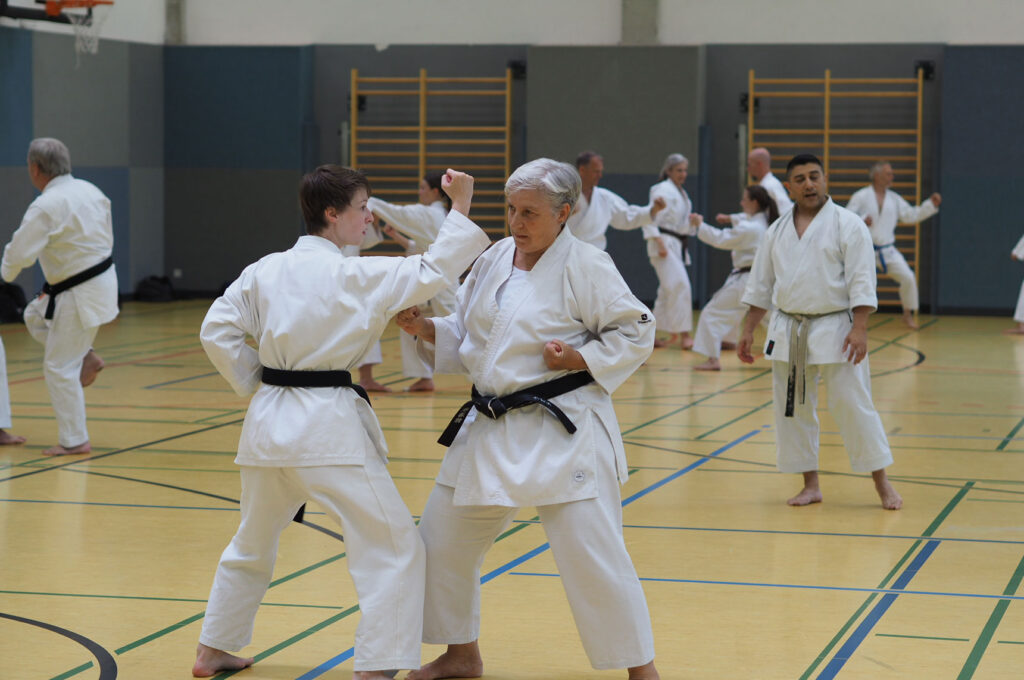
x=897, y=268
x=586, y=540
x=384, y=554
x=65, y=343
x=5, y=393
x=849, y=402
x=1018, y=315
x=673, y=306
x=721, y=316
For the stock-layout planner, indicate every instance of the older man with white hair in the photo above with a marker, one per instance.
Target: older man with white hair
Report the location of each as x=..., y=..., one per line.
x=68, y=228
x=759, y=165
x=881, y=208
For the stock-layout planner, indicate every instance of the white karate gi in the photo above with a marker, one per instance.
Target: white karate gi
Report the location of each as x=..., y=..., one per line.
x=312, y=308
x=724, y=311
x=889, y=259
x=68, y=228
x=1018, y=252
x=777, y=190
x=420, y=223
x=828, y=271
x=574, y=293
x=591, y=219
x=372, y=237
x=673, y=305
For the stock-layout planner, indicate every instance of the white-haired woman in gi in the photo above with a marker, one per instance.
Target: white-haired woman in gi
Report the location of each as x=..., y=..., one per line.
x=666, y=247
x=547, y=329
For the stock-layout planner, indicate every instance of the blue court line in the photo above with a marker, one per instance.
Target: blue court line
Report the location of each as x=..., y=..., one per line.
x=508, y=566
x=851, y=645
x=850, y=589
x=180, y=380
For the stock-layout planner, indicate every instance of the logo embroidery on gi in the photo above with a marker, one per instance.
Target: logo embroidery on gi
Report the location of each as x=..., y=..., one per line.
x=771, y=345
x=645, y=318
x=579, y=476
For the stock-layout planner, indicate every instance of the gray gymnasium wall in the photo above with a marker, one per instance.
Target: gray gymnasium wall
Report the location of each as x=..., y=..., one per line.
x=633, y=105
x=982, y=173
x=107, y=110
x=727, y=80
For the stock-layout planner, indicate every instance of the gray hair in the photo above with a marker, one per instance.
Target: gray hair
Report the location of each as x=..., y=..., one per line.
x=673, y=159
x=877, y=168
x=50, y=156
x=558, y=182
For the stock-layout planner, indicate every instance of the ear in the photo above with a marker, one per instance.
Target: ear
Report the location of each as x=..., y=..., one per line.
x=330, y=215
x=563, y=213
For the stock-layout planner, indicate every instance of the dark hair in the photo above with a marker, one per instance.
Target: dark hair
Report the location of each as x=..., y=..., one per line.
x=758, y=194
x=329, y=186
x=433, y=180
x=585, y=157
x=803, y=159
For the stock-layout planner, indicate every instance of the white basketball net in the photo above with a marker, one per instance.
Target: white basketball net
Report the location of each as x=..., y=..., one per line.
x=87, y=33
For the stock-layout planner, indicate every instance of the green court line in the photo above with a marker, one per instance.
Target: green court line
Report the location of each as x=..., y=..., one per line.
x=129, y=406
x=117, y=420
x=1009, y=437
x=160, y=633
x=738, y=418
x=974, y=658
x=220, y=415
x=900, y=337
x=943, y=514
x=231, y=470
x=993, y=500
x=1009, y=642
x=694, y=403
x=922, y=637
x=154, y=599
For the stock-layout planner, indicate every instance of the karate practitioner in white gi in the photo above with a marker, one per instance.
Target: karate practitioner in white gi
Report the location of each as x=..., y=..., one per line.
x=68, y=229
x=724, y=312
x=815, y=266
x=881, y=209
x=673, y=304
x=759, y=166
x=374, y=356
x=314, y=313
x=419, y=224
x=541, y=314
x=599, y=208
x=1018, y=315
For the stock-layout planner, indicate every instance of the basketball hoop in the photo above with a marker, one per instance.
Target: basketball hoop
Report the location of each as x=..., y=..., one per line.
x=86, y=25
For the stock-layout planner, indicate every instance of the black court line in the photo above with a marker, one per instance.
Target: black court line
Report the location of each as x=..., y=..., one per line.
x=107, y=665
x=311, y=525
x=78, y=461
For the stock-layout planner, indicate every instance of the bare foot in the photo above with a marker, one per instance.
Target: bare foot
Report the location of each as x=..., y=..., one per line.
x=667, y=341
x=373, y=675
x=711, y=364
x=686, y=342
x=908, y=321
x=59, y=450
x=210, y=661
x=728, y=345
x=8, y=439
x=92, y=364
x=422, y=385
x=374, y=386
x=645, y=672
x=1016, y=330
x=459, y=661
x=811, y=493
x=891, y=500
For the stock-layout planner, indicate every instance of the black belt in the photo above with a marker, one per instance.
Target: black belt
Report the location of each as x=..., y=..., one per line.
x=682, y=239
x=496, y=407
x=282, y=378
x=741, y=270
x=55, y=289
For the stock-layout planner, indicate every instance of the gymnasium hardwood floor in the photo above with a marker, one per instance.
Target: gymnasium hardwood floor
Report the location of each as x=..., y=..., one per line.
x=107, y=559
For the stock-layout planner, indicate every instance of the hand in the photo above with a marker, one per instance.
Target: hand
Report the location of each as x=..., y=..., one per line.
x=459, y=187
x=744, y=346
x=855, y=346
x=696, y=220
x=658, y=205
x=558, y=356
x=411, y=321
x=662, y=250
x=389, y=230
x=936, y=199
x=722, y=218
x=868, y=220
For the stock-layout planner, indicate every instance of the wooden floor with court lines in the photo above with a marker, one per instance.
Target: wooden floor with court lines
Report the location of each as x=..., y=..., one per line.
x=106, y=560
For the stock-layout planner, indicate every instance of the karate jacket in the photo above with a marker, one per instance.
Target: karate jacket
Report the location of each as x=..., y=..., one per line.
x=675, y=217
x=742, y=239
x=894, y=210
x=590, y=220
x=313, y=308
x=777, y=190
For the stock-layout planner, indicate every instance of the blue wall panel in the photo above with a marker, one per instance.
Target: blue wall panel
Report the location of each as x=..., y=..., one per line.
x=982, y=178
x=15, y=95
x=236, y=107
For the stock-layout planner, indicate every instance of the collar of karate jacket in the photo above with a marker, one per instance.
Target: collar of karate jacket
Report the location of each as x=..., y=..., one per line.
x=314, y=242
x=554, y=256
x=58, y=181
